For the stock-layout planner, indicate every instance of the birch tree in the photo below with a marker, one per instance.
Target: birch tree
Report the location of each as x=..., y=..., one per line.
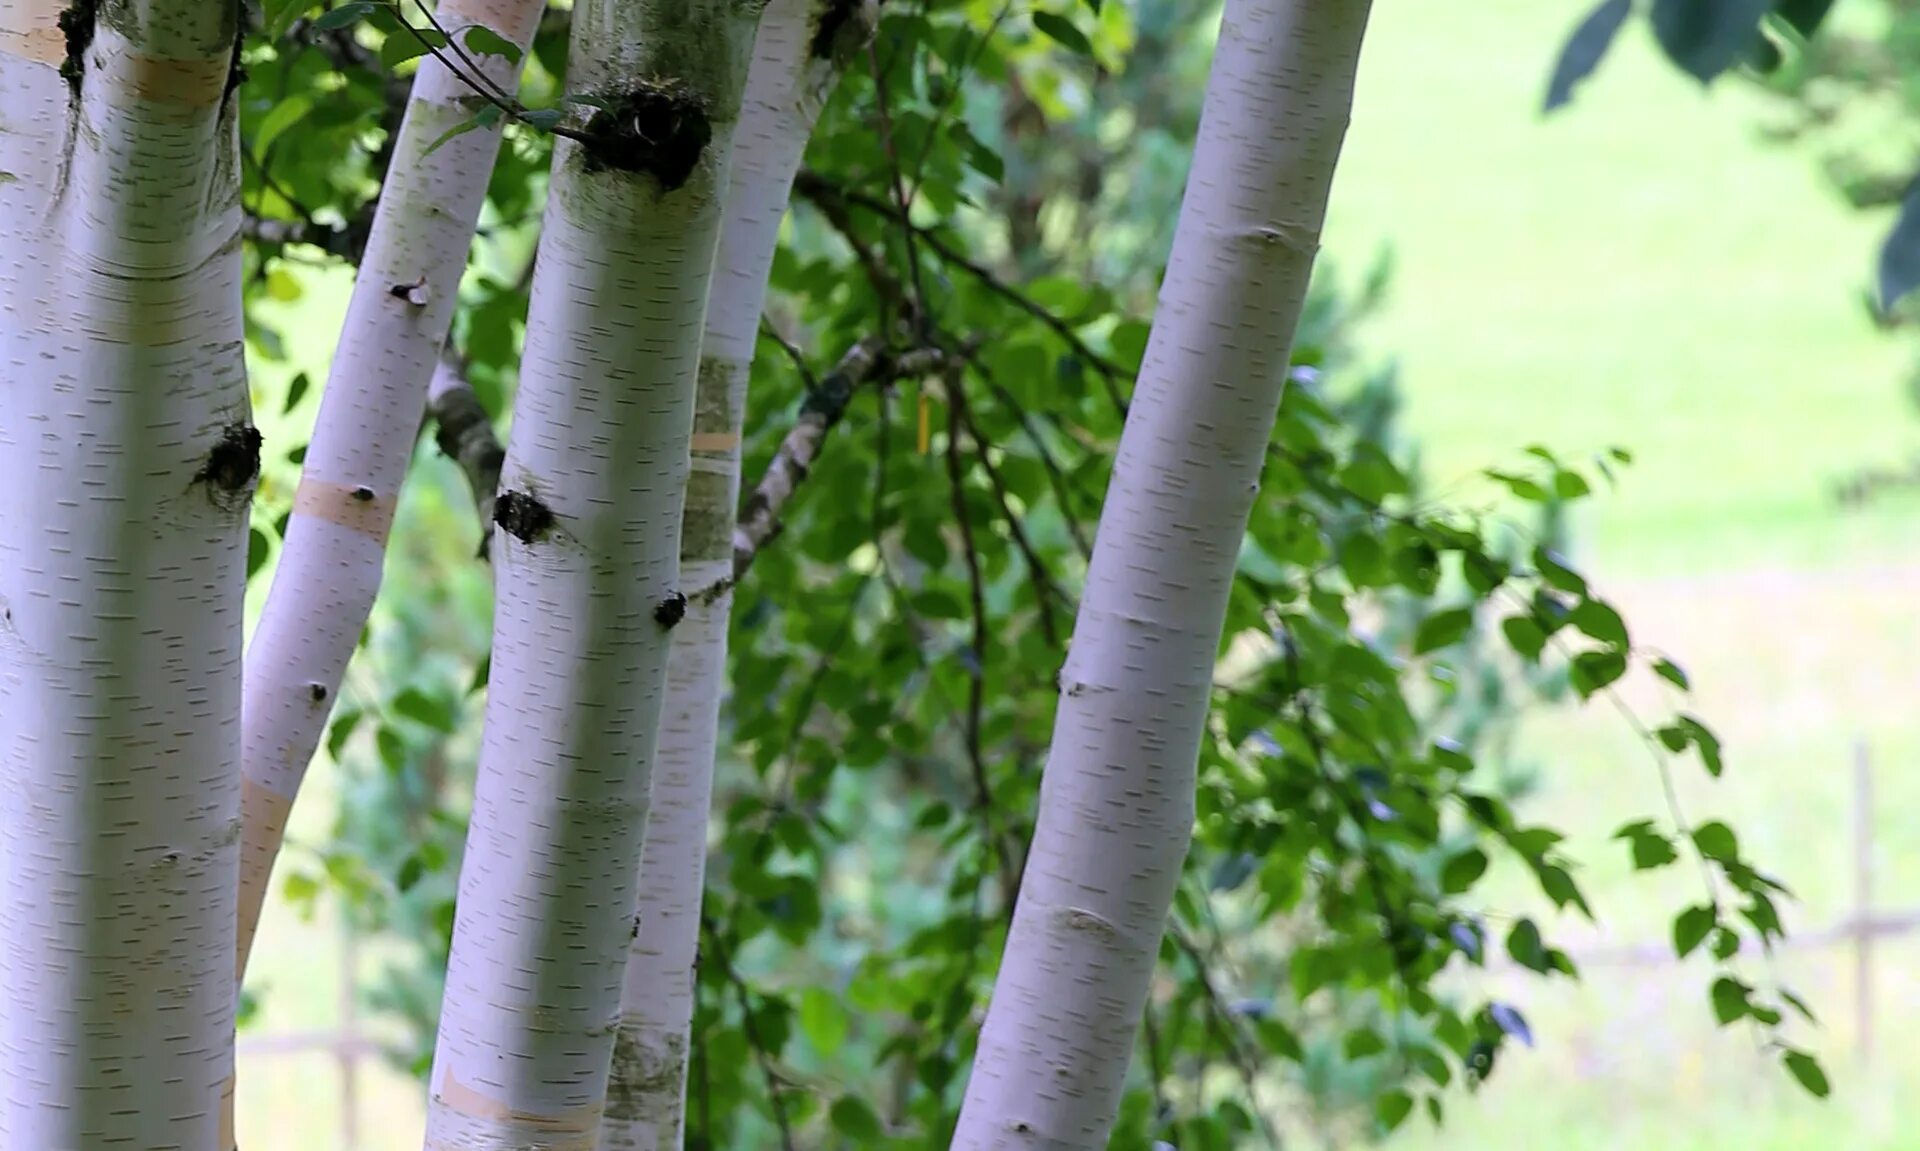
x=403, y=298
x=1117, y=799
x=588, y=591
x=129, y=460
x=798, y=52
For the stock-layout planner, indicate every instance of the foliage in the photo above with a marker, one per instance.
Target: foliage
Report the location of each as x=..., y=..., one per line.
x=997, y=183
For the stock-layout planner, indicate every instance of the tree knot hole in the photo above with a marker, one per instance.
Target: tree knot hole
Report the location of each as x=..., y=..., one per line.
x=659, y=129
x=234, y=463
x=522, y=516
x=670, y=610
x=76, y=24
x=363, y=494
x=317, y=692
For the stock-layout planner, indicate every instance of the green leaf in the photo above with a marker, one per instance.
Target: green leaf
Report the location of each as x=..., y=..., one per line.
x=296, y=390
x=1671, y=672
x=1062, y=31
x=1593, y=670
x=1585, y=49
x=393, y=749
x=484, y=41
x=341, y=731
x=852, y=1118
x=258, y=549
x=278, y=119
x=1806, y=1070
x=542, y=119
x=403, y=46
x=1525, y=637
x=1463, y=870
x=1600, y=622
x=1527, y=948
x=1392, y=1109
x=344, y=16
x=279, y=15
x=1900, y=253
x=424, y=709
x=1651, y=848
x=1716, y=841
x=1707, y=742
x=1707, y=37
x=461, y=129
x=1803, y=16
x=822, y=1020
x=1730, y=999
x=411, y=869
x=1442, y=629
x=1690, y=929
x=1556, y=572
x=1798, y=1004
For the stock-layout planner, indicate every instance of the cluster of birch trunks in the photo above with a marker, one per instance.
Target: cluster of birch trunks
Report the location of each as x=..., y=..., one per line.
x=147, y=769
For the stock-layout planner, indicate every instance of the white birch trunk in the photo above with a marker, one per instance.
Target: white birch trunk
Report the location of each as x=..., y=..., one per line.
x=796, y=61
x=586, y=565
x=128, y=465
x=403, y=296
x=1117, y=800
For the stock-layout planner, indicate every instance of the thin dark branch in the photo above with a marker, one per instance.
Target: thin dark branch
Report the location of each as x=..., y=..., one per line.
x=822, y=193
x=1045, y=590
x=749, y=1025
x=465, y=434
x=977, y=668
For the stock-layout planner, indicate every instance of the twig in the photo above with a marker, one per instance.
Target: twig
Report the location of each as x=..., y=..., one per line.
x=977, y=672
x=751, y=1028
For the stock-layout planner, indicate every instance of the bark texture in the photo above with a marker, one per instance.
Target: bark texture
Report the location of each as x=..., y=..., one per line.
x=794, y=67
x=1117, y=799
x=370, y=412
x=127, y=462
x=586, y=563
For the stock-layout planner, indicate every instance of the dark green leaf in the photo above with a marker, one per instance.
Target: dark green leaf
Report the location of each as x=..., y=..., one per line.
x=411, y=870
x=347, y=14
x=1716, y=841
x=1806, y=1070
x=1527, y=948
x=295, y=390
x=1442, y=629
x=258, y=549
x=1062, y=30
x=1525, y=637
x=1593, y=670
x=542, y=119
x=1585, y=49
x=1463, y=870
x=852, y=1118
x=1690, y=929
x=424, y=709
x=1730, y=999
x=485, y=41
x=1900, y=253
x=402, y=46
x=1803, y=16
x=1392, y=1109
x=1600, y=622
x=1671, y=672
x=1707, y=37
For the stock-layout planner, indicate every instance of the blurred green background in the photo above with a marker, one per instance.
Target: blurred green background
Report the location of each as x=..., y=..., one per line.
x=1642, y=271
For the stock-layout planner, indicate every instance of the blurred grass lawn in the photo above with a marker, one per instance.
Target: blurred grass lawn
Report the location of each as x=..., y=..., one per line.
x=1640, y=271
x=1643, y=271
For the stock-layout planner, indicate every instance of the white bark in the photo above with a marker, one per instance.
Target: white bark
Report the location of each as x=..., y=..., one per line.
x=586, y=564
x=1117, y=799
x=403, y=297
x=795, y=63
x=128, y=466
